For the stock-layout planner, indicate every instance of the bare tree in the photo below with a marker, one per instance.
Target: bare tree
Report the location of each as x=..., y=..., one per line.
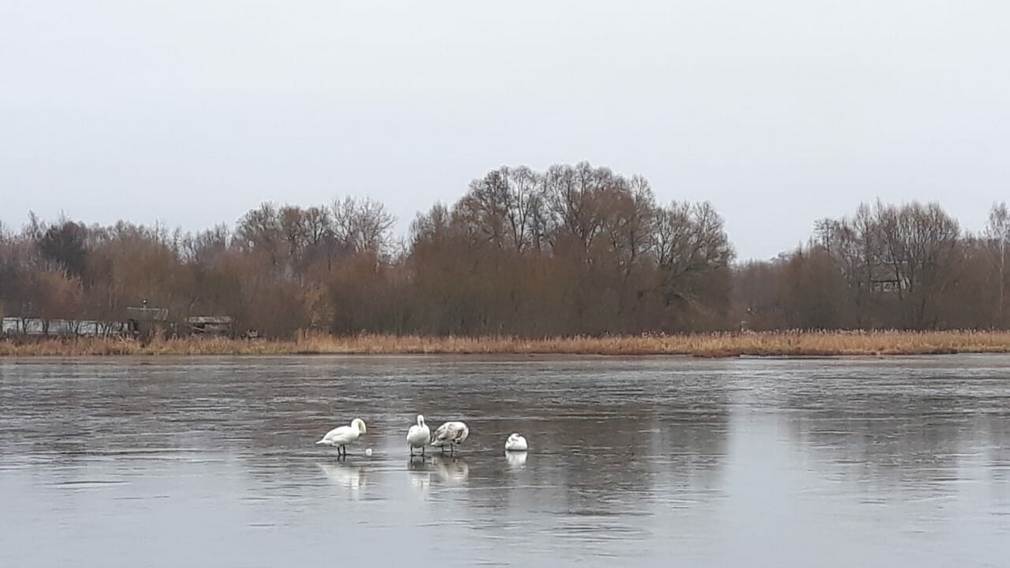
x=205, y=247
x=997, y=233
x=363, y=225
x=574, y=249
x=259, y=231
x=693, y=254
x=921, y=242
x=294, y=229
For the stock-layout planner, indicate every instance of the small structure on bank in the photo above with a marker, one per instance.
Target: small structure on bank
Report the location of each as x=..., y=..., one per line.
x=148, y=321
x=16, y=327
x=210, y=325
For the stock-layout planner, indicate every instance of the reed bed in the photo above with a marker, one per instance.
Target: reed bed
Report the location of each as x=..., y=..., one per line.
x=765, y=344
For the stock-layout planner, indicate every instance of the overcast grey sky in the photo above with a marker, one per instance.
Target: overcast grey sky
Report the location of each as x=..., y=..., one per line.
x=778, y=112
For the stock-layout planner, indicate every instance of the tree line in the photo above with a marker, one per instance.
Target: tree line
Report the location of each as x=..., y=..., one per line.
x=887, y=266
x=573, y=250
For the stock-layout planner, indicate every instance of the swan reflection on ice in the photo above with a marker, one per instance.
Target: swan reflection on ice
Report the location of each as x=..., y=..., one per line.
x=451, y=470
x=517, y=460
x=348, y=478
x=420, y=476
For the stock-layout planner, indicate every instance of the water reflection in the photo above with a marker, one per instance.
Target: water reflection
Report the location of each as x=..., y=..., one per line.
x=349, y=479
x=516, y=460
x=420, y=476
x=870, y=426
x=638, y=461
x=451, y=470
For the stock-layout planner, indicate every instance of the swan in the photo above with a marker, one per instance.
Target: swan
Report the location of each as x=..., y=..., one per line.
x=343, y=435
x=516, y=443
x=450, y=434
x=418, y=436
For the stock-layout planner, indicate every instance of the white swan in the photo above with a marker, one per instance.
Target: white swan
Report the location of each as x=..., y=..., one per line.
x=343, y=435
x=450, y=434
x=418, y=436
x=516, y=443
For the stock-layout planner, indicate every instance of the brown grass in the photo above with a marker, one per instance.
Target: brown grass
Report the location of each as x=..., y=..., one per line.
x=787, y=344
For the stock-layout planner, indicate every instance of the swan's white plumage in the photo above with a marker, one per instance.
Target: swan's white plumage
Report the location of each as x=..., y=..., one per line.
x=343, y=435
x=450, y=434
x=419, y=434
x=516, y=443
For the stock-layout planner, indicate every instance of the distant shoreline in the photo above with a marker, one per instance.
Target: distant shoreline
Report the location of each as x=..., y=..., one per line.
x=711, y=345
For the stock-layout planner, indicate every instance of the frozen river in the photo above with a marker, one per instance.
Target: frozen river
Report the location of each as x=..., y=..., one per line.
x=633, y=462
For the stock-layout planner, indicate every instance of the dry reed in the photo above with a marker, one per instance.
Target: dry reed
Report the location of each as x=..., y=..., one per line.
x=783, y=344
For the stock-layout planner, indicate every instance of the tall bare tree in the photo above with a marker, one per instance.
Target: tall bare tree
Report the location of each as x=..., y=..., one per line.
x=363, y=225
x=997, y=233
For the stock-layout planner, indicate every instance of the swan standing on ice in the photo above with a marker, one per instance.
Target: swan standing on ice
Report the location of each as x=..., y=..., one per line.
x=418, y=436
x=450, y=434
x=343, y=435
x=516, y=443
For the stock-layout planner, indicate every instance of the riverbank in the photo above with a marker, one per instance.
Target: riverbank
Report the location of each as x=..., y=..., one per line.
x=768, y=344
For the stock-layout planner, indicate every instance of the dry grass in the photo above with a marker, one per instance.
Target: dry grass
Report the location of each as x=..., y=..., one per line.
x=787, y=344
